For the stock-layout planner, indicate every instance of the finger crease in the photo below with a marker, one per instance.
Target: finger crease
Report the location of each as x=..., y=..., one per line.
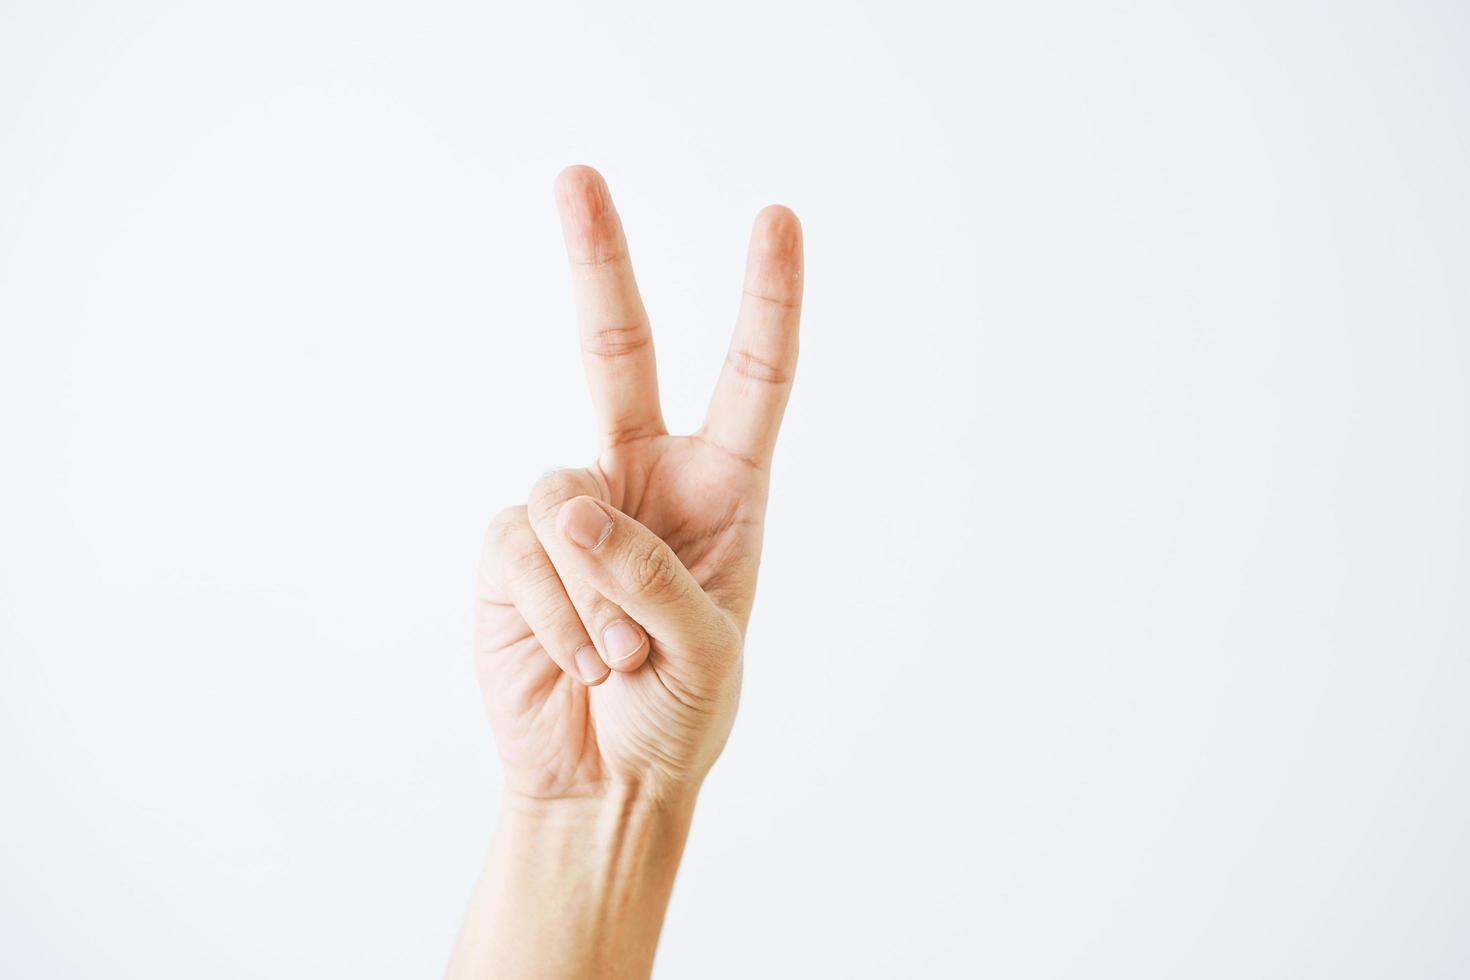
x=748, y=365
x=619, y=341
x=600, y=258
x=776, y=301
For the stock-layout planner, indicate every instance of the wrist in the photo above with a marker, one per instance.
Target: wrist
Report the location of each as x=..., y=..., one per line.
x=578, y=886
x=606, y=803
x=618, y=848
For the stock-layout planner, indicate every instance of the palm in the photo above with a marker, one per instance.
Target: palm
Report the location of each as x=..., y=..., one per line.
x=705, y=502
x=705, y=496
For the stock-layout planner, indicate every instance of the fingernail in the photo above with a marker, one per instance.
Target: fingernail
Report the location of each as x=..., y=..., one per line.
x=621, y=640
x=590, y=665
x=586, y=523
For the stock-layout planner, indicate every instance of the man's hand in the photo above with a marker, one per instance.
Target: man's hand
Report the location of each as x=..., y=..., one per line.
x=611, y=615
x=613, y=606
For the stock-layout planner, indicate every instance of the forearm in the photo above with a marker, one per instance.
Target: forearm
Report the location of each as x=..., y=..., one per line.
x=573, y=888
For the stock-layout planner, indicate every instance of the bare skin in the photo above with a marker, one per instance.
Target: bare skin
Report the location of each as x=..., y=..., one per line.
x=610, y=618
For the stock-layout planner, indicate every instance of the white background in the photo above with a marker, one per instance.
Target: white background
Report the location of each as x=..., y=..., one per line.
x=1113, y=620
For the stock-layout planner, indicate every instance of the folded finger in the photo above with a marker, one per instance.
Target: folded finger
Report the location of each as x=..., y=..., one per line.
x=621, y=642
x=520, y=568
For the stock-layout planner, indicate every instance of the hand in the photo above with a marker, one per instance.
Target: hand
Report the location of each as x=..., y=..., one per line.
x=612, y=608
x=611, y=615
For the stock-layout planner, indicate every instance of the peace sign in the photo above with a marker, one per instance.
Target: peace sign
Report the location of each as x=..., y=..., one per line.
x=612, y=607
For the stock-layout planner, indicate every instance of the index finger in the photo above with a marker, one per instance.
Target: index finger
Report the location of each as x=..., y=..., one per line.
x=617, y=344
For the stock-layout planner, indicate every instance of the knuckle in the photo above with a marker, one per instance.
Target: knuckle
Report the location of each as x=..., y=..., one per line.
x=501, y=537
x=503, y=528
x=652, y=571
x=554, y=489
x=779, y=302
x=752, y=367
x=603, y=252
x=511, y=548
x=617, y=340
x=524, y=563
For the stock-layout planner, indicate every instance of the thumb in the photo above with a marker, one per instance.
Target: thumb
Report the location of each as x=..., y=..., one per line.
x=633, y=567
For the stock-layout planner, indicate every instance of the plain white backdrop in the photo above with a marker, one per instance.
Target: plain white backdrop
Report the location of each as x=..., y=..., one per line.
x=1113, y=618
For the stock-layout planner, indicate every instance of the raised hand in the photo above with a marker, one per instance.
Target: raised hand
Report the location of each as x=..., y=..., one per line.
x=612, y=607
